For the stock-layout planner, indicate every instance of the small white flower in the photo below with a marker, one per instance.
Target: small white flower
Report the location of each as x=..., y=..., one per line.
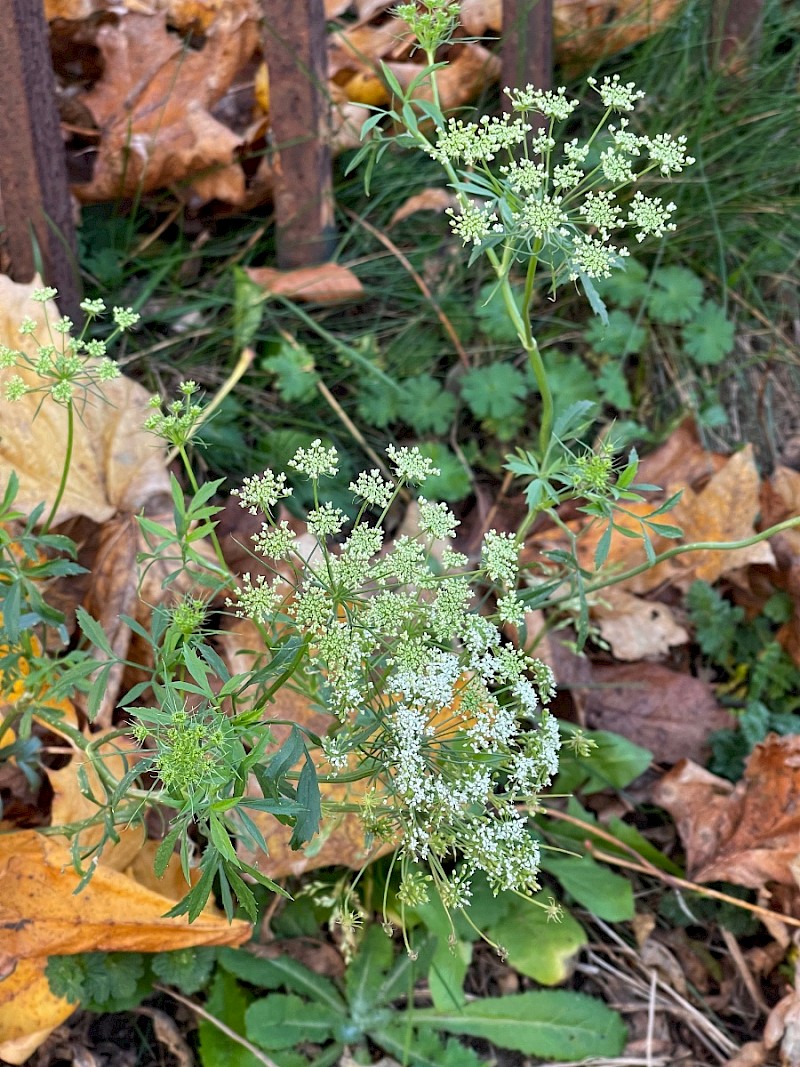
x=651, y=216
x=372, y=488
x=669, y=153
x=615, y=94
x=261, y=492
x=411, y=465
x=501, y=557
x=316, y=461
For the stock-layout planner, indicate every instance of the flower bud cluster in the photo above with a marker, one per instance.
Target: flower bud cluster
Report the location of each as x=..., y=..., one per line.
x=65, y=368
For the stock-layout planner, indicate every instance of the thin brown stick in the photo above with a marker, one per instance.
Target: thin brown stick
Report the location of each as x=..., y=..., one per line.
x=644, y=866
x=683, y=883
x=252, y=1049
x=490, y=514
x=447, y=325
x=744, y=971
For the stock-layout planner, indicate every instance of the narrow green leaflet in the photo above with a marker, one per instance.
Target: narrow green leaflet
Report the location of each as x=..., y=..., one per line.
x=553, y=1023
x=424, y=1049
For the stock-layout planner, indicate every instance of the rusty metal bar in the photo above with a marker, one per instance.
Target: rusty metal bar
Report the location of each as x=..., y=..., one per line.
x=295, y=52
x=527, y=55
x=33, y=176
x=736, y=26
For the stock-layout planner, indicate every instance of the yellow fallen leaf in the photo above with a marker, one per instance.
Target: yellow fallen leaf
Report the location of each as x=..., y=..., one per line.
x=29, y=1012
x=41, y=915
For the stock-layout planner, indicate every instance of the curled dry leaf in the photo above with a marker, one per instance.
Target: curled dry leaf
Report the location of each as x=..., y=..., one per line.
x=152, y=110
x=434, y=199
x=155, y=101
x=668, y=712
x=114, y=464
x=748, y=834
x=328, y=283
x=783, y=1027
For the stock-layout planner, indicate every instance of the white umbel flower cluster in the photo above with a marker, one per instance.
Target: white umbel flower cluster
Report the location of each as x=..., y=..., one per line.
x=444, y=715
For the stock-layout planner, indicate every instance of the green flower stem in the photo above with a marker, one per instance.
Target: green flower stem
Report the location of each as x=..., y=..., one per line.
x=242, y=364
x=528, y=341
x=679, y=550
x=196, y=489
x=64, y=469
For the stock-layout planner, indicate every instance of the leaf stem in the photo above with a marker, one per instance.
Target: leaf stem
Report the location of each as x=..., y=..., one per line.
x=679, y=550
x=64, y=469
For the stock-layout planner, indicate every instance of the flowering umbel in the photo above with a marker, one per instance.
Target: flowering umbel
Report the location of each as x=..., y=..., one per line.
x=520, y=189
x=428, y=702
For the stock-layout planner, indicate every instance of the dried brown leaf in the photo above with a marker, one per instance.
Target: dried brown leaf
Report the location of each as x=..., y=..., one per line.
x=637, y=629
x=669, y=712
x=153, y=103
x=433, y=199
x=328, y=283
x=748, y=834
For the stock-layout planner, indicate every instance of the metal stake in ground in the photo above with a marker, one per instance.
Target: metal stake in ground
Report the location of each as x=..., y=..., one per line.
x=527, y=44
x=294, y=48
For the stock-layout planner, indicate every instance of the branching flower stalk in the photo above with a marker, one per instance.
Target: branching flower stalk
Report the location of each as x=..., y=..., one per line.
x=70, y=370
x=523, y=198
x=437, y=716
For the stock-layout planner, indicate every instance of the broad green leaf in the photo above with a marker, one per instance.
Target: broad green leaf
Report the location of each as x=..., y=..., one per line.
x=613, y=385
x=425, y=405
x=539, y=947
x=368, y=969
x=676, y=295
x=626, y=287
x=281, y=971
x=284, y=1020
x=709, y=337
x=551, y=1023
x=620, y=336
x=454, y=481
x=494, y=392
x=607, y=895
x=614, y=763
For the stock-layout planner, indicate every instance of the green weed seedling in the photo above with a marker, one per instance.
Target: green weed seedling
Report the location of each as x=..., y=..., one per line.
x=758, y=680
x=303, y=1010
